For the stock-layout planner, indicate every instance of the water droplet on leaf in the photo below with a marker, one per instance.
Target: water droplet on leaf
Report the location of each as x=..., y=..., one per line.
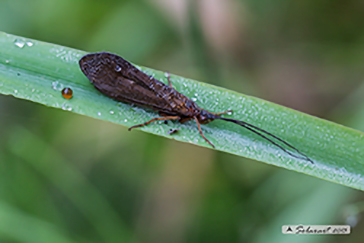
x=66, y=107
x=19, y=43
x=57, y=85
x=67, y=93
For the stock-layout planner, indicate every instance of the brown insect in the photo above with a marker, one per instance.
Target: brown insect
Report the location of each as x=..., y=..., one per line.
x=120, y=80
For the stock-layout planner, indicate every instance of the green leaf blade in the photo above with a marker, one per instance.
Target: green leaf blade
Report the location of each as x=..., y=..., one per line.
x=38, y=71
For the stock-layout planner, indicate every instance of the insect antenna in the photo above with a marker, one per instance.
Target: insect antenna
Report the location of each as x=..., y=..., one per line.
x=264, y=134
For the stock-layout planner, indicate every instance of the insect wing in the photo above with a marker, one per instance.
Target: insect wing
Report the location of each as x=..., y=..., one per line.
x=120, y=80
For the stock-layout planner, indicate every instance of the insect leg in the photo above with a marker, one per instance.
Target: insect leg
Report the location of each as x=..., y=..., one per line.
x=156, y=119
x=173, y=131
x=183, y=120
x=199, y=129
x=169, y=80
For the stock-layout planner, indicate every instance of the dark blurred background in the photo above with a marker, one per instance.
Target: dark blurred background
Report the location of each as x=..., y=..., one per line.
x=69, y=178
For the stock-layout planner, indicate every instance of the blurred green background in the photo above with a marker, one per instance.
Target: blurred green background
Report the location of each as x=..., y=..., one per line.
x=68, y=178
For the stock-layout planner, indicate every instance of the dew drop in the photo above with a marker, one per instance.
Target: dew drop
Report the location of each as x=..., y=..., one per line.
x=99, y=113
x=29, y=43
x=125, y=120
x=15, y=91
x=57, y=85
x=66, y=107
x=111, y=112
x=194, y=99
x=117, y=68
x=67, y=93
x=7, y=61
x=19, y=43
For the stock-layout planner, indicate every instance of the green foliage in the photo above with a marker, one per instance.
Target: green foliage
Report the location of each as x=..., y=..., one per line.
x=38, y=71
